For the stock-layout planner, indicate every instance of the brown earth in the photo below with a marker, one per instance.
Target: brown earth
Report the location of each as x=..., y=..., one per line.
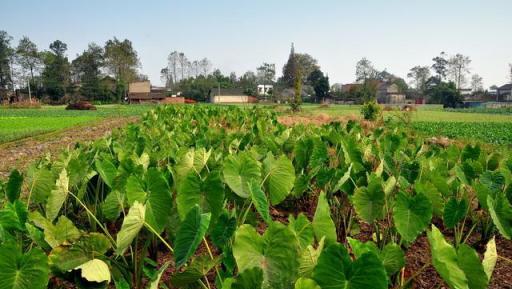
x=20, y=154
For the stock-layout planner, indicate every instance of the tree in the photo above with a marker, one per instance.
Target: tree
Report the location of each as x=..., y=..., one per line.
x=445, y=93
x=458, y=67
x=167, y=77
x=56, y=73
x=365, y=70
x=298, y=63
x=183, y=64
x=6, y=53
x=477, y=83
x=122, y=62
x=510, y=72
x=172, y=65
x=419, y=75
x=87, y=68
x=266, y=73
x=29, y=59
x=440, y=65
x=320, y=84
x=205, y=66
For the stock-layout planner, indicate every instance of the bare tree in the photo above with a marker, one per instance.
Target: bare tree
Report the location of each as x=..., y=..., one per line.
x=172, y=65
x=458, y=68
x=365, y=70
x=205, y=66
x=183, y=62
x=477, y=83
x=194, y=67
x=510, y=71
x=29, y=59
x=167, y=77
x=419, y=76
x=266, y=73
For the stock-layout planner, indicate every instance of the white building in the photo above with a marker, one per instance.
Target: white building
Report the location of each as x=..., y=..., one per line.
x=265, y=89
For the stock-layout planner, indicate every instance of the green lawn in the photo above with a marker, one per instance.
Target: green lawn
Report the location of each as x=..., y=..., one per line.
x=20, y=123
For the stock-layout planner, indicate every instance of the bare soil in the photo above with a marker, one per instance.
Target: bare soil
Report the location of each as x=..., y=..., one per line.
x=21, y=153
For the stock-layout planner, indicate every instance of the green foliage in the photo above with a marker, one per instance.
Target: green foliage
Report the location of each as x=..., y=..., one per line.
x=412, y=215
x=23, y=270
x=323, y=226
x=371, y=110
x=190, y=234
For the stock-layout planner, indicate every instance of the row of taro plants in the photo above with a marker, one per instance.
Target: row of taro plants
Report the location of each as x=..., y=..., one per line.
x=225, y=197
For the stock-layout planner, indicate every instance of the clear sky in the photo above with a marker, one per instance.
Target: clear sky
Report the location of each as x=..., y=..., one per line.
x=240, y=35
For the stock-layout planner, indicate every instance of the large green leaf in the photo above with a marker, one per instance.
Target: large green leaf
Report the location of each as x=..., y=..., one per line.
x=132, y=224
x=135, y=191
x=259, y=199
x=305, y=283
x=392, y=258
x=193, y=160
x=302, y=229
x=411, y=215
x=112, y=206
x=323, y=224
x=13, y=188
x=154, y=283
x=444, y=259
x=207, y=193
x=279, y=177
x=223, y=230
x=469, y=262
x=198, y=268
x=95, y=270
x=57, y=196
x=190, y=234
x=239, y=170
x=159, y=201
x=40, y=183
x=501, y=214
x=309, y=259
x=249, y=279
x=490, y=258
x=335, y=270
x=13, y=216
x=276, y=253
x=454, y=212
x=369, y=201
x=23, y=271
x=107, y=171
x=63, y=232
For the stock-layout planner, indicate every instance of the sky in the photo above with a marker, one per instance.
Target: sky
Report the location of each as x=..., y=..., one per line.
x=239, y=35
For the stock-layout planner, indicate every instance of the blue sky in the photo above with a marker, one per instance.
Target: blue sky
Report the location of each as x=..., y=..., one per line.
x=240, y=35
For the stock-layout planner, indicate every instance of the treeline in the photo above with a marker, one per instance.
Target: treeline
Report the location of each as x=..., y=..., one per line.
x=100, y=73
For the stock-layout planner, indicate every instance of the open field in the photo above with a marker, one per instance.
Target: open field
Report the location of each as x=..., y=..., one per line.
x=16, y=124
x=225, y=197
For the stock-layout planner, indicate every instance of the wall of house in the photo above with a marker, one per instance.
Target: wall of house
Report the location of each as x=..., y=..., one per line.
x=139, y=87
x=231, y=99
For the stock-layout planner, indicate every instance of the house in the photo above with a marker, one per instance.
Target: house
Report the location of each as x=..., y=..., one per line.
x=264, y=89
x=234, y=95
x=504, y=93
x=389, y=93
x=142, y=91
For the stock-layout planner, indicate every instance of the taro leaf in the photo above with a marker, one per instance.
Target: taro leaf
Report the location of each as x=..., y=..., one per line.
x=239, y=170
x=470, y=152
x=351, y=151
x=13, y=187
x=341, y=182
x=95, y=270
x=323, y=225
x=88, y=247
x=319, y=155
x=411, y=215
x=369, y=201
x=335, y=270
x=360, y=248
x=469, y=262
x=501, y=214
x=208, y=194
x=410, y=171
x=434, y=195
x=190, y=234
x=259, y=200
x=154, y=283
x=279, y=177
x=63, y=232
x=132, y=224
x=223, y=230
x=159, y=201
x=309, y=259
x=40, y=184
x=192, y=160
x=392, y=258
x=57, y=196
x=13, y=216
x=276, y=253
x=301, y=185
x=106, y=170
x=37, y=236
x=249, y=279
x=112, y=205
x=493, y=180
x=454, y=212
x=302, y=229
x=305, y=283
x=302, y=153
x=198, y=268
x=23, y=271
x=135, y=191
x=444, y=259
x=490, y=258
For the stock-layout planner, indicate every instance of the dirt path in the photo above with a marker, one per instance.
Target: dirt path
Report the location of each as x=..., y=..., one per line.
x=20, y=154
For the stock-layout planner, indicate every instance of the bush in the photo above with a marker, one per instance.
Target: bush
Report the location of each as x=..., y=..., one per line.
x=371, y=110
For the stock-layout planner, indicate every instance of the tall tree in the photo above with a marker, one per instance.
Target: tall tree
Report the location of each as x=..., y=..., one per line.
x=56, y=73
x=122, y=61
x=419, y=75
x=6, y=53
x=266, y=73
x=29, y=59
x=510, y=71
x=172, y=65
x=298, y=63
x=166, y=77
x=87, y=67
x=458, y=68
x=183, y=63
x=320, y=83
x=365, y=70
x=477, y=84
x=205, y=66
x=440, y=66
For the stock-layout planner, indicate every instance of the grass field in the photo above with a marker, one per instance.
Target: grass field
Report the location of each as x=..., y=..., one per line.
x=21, y=123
